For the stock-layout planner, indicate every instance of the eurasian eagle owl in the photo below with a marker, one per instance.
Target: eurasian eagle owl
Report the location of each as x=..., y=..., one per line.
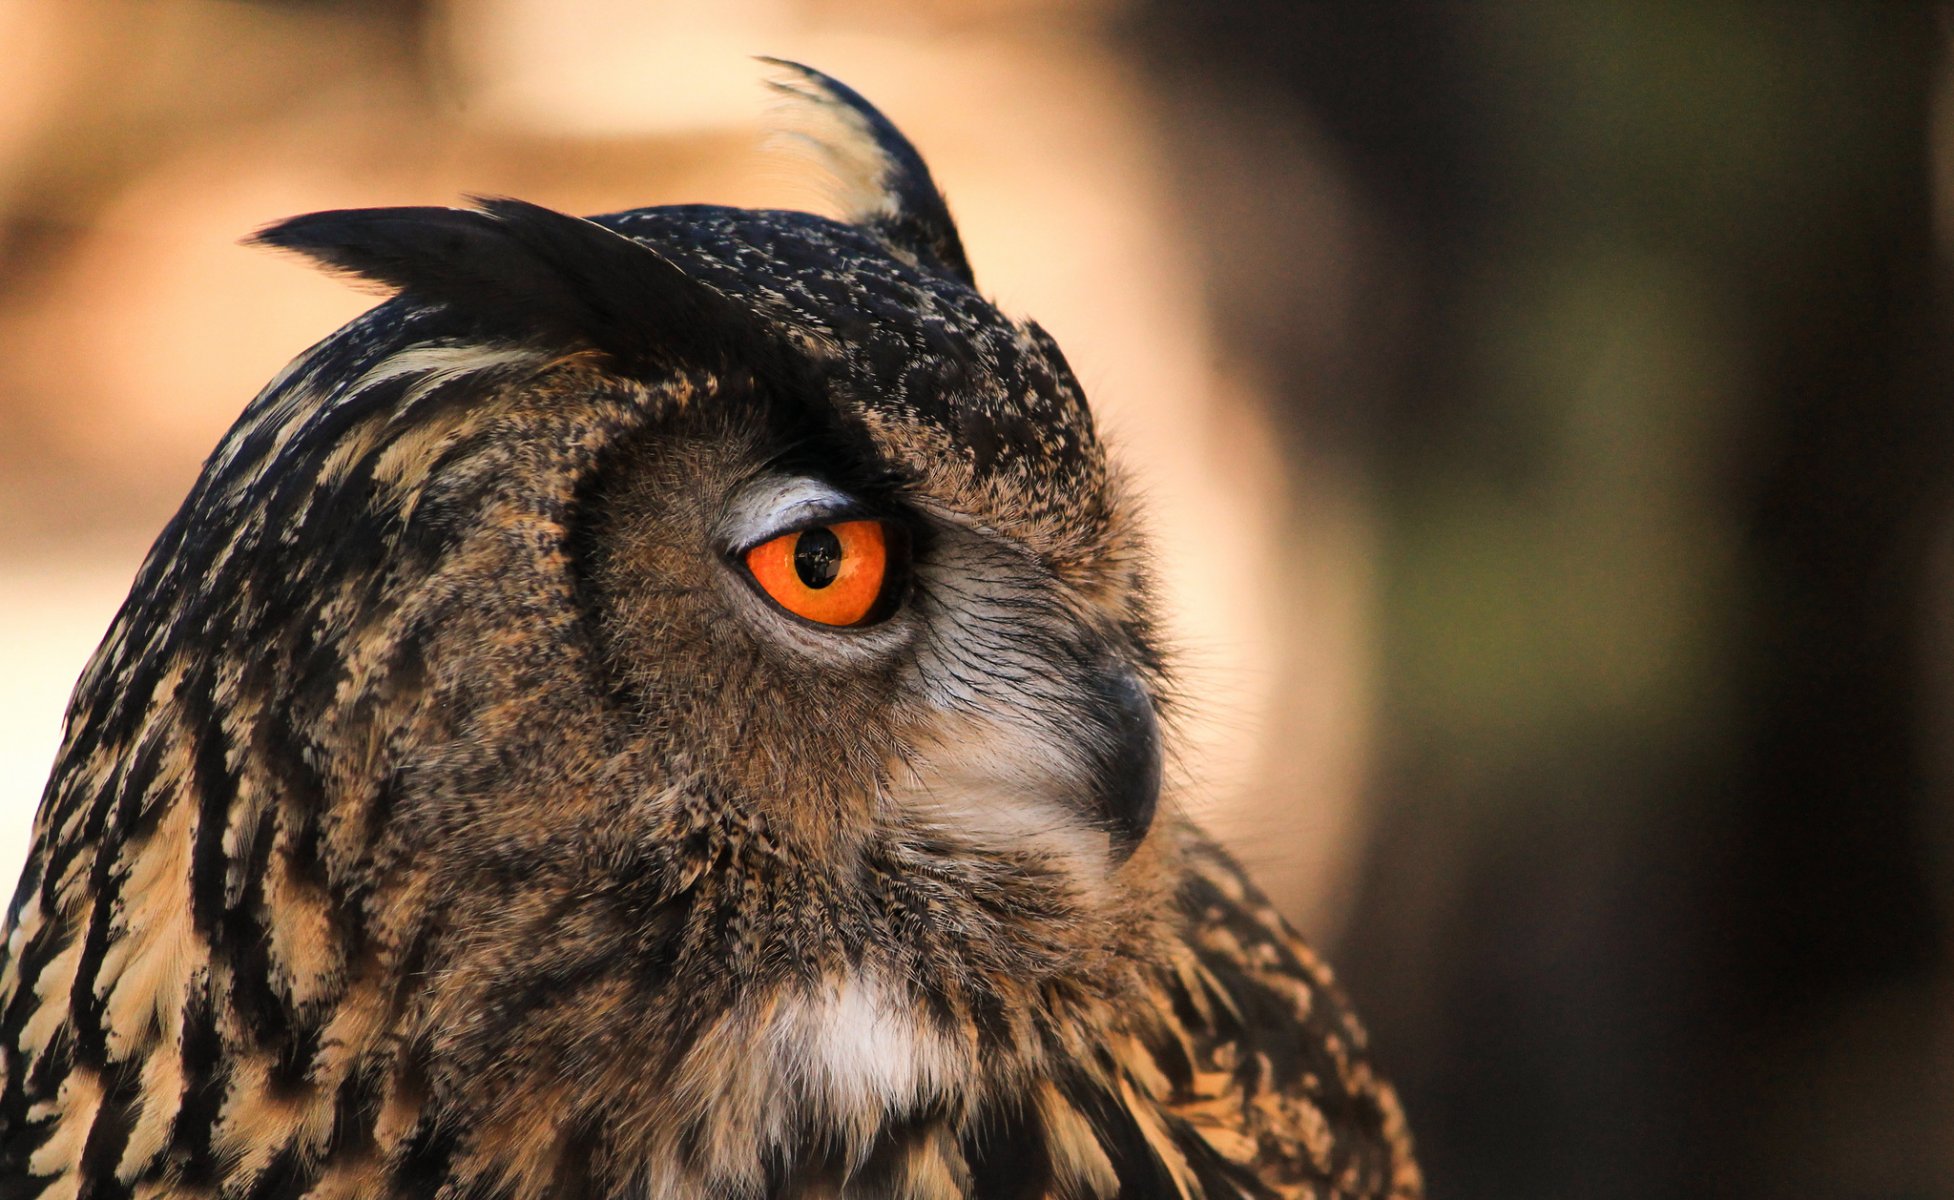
x=668, y=705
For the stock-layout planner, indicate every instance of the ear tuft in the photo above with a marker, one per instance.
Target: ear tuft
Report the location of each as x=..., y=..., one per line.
x=885, y=184
x=527, y=273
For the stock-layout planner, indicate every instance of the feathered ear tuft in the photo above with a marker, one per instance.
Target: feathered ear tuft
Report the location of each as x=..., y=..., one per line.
x=520, y=271
x=886, y=186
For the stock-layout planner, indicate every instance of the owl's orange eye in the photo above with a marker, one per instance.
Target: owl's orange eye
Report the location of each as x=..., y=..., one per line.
x=833, y=574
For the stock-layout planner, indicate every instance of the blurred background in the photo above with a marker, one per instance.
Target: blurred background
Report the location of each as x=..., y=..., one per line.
x=1544, y=409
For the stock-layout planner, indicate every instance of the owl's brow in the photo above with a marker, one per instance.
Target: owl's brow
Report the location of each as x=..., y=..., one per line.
x=800, y=452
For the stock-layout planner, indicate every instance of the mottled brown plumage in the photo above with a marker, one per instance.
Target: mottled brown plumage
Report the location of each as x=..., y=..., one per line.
x=447, y=814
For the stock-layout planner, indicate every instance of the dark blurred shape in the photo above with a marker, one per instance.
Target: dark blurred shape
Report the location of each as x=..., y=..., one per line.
x=1647, y=365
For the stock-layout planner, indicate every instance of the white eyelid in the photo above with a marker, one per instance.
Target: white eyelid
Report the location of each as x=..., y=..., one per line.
x=776, y=504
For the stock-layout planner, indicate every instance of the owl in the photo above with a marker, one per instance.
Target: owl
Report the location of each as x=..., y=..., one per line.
x=666, y=705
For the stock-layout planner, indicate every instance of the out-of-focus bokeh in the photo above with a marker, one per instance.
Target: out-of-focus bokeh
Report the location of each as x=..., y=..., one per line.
x=1545, y=410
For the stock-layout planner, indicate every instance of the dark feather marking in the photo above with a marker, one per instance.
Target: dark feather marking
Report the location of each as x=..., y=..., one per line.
x=1268, y=1023
x=689, y=1140
x=886, y=1161
x=88, y=1003
x=1142, y=1176
x=285, y=1177
x=205, y=1075
x=301, y=793
x=817, y=1167
x=424, y=1160
x=21, y=1136
x=106, y=717
x=214, y=785
x=453, y=499
x=526, y=273
x=312, y=682
x=1214, y=1171
x=245, y=941
x=49, y=1069
x=143, y=807
x=1186, y=1013
x=17, y=1136
x=291, y=1071
x=375, y=816
x=346, y=529
x=1007, y=1154
x=412, y=961
x=109, y=1135
x=17, y=1183
x=993, y=1021
x=576, y=1171
x=16, y=1140
x=1169, y=1054
x=355, y=1107
x=542, y=987
x=85, y=1008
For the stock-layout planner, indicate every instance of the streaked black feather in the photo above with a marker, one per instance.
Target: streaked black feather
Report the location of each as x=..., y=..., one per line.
x=520, y=271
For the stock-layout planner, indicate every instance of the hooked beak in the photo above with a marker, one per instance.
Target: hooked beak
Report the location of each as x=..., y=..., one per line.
x=1127, y=779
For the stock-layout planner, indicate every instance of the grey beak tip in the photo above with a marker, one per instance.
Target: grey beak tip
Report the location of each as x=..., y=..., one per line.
x=1129, y=777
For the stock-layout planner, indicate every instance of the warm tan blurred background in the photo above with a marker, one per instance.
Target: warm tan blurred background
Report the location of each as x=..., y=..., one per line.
x=1545, y=409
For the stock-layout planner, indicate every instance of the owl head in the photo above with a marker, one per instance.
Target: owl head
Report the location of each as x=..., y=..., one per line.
x=838, y=533
x=666, y=699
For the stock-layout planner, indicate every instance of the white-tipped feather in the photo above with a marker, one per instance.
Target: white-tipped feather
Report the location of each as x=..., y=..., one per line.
x=853, y=1045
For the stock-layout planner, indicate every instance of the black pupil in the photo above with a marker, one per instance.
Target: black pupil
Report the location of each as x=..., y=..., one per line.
x=817, y=557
